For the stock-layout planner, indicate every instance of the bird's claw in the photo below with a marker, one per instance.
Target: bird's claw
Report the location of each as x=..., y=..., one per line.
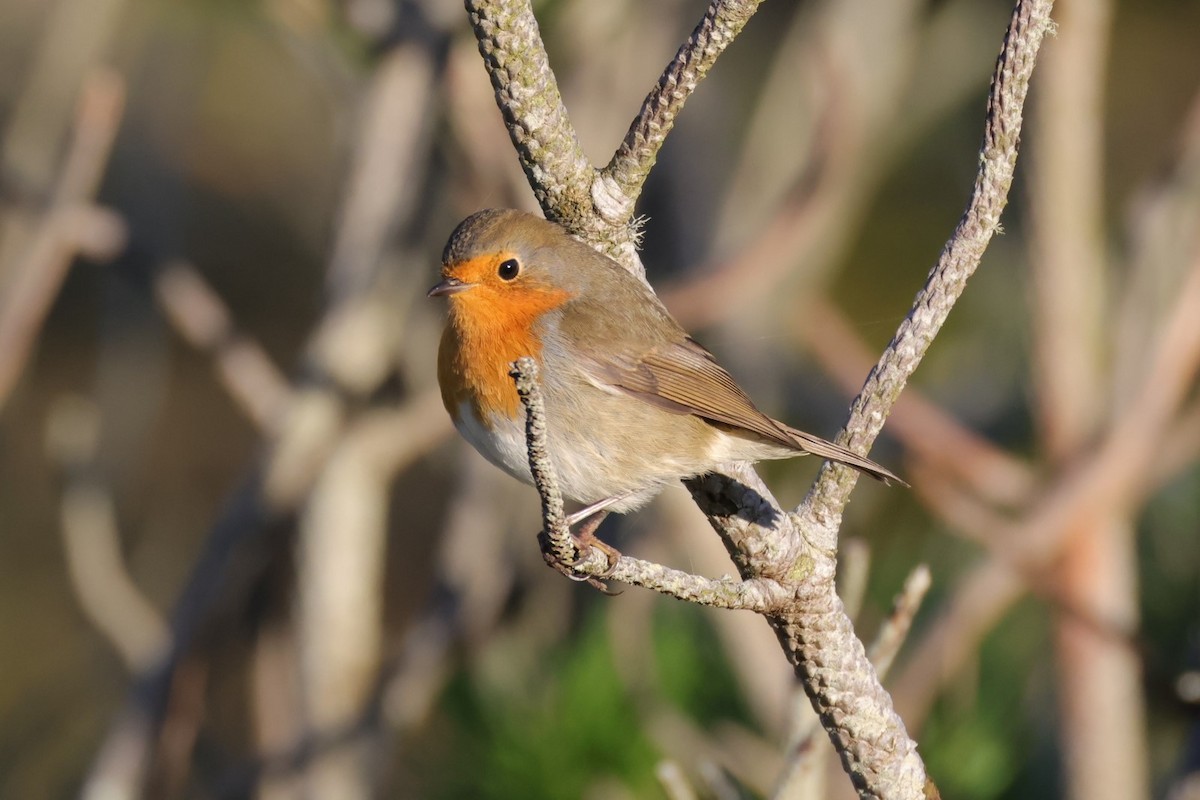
x=583, y=543
x=570, y=570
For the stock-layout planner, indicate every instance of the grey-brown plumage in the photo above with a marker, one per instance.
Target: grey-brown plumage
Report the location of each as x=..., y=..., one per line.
x=632, y=401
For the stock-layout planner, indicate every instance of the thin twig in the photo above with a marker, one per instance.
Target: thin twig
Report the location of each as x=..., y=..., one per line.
x=632, y=162
x=979, y=602
x=895, y=629
x=70, y=224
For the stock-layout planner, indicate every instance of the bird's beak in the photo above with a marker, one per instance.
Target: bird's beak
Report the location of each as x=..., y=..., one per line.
x=448, y=287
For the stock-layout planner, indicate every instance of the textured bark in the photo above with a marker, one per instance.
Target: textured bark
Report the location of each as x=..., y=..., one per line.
x=795, y=551
x=527, y=94
x=635, y=157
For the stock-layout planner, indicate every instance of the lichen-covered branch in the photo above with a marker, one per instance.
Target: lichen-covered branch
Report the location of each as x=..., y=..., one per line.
x=721, y=24
x=527, y=94
x=816, y=634
x=882, y=762
x=958, y=261
x=531, y=105
x=597, y=205
x=556, y=536
x=796, y=552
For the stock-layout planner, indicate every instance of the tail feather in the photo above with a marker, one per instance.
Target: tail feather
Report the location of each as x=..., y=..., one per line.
x=820, y=447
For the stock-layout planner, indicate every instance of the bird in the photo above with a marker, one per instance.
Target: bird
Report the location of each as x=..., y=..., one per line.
x=632, y=402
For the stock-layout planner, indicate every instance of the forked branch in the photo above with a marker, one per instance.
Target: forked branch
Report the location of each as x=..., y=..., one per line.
x=786, y=560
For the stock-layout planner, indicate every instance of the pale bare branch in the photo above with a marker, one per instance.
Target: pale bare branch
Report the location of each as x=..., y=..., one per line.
x=70, y=225
x=632, y=162
x=202, y=318
x=895, y=628
x=107, y=593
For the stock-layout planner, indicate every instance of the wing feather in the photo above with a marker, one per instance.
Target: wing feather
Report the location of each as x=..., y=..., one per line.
x=665, y=367
x=685, y=378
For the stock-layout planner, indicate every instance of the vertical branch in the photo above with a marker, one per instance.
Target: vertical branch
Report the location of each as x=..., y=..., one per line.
x=1068, y=250
x=339, y=614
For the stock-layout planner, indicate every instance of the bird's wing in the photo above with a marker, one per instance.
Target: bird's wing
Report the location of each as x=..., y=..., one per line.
x=657, y=362
x=684, y=378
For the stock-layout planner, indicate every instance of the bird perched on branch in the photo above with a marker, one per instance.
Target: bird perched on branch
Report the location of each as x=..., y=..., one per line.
x=632, y=402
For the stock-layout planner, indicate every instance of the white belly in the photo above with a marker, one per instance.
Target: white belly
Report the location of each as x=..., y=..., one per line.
x=503, y=444
x=584, y=469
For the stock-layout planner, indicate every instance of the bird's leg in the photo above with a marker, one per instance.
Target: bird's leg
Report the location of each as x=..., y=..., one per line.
x=584, y=513
x=585, y=537
x=588, y=520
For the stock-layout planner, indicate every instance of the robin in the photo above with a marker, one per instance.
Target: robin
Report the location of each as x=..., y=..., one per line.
x=632, y=402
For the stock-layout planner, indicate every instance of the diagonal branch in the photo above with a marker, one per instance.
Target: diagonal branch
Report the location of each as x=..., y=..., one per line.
x=958, y=261
x=529, y=101
x=857, y=713
x=71, y=225
x=527, y=94
x=632, y=162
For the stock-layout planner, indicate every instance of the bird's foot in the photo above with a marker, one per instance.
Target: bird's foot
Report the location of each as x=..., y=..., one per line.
x=585, y=539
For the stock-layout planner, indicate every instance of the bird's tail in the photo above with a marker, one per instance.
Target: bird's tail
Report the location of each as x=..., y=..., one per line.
x=819, y=447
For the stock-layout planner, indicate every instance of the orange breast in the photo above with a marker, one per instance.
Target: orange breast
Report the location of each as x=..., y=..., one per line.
x=487, y=331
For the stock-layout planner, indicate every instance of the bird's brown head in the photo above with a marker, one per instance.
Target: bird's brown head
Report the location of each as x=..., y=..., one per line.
x=502, y=271
x=500, y=258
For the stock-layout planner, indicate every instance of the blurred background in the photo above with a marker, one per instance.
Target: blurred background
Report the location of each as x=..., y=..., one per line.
x=243, y=554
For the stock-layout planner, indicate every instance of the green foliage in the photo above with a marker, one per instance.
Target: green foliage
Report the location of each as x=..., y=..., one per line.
x=980, y=738
x=571, y=723
x=693, y=672
x=574, y=724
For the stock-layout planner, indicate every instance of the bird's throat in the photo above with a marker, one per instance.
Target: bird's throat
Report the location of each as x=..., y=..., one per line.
x=485, y=335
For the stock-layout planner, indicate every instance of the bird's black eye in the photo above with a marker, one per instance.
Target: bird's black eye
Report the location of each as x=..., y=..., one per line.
x=509, y=269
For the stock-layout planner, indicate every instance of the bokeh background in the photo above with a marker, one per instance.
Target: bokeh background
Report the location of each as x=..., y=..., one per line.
x=243, y=554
